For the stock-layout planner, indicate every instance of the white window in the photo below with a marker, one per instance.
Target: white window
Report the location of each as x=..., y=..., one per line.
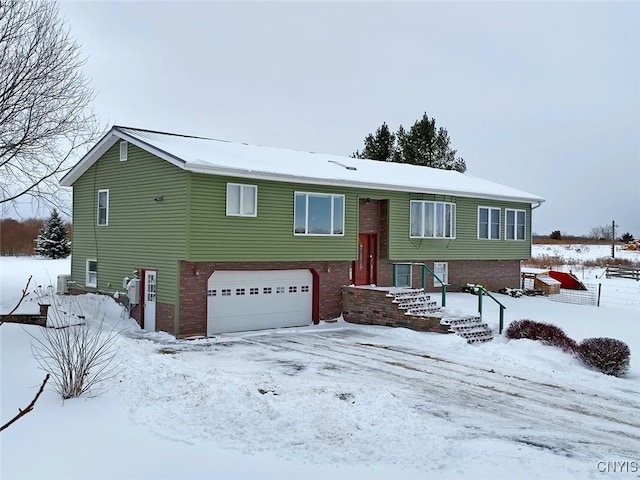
x=124, y=151
x=318, y=214
x=515, y=222
x=441, y=269
x=403, y=275
x=103, y=207
x=91, y=279
x=489, y=223
x=242, y=200
x=432, y=219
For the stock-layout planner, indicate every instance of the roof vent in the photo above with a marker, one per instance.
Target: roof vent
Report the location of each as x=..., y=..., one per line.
x=348, y=167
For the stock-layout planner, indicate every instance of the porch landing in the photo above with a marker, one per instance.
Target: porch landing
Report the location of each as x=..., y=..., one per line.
x=408, y=308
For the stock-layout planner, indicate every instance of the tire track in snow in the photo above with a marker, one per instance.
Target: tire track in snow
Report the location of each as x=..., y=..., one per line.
x=526, y=403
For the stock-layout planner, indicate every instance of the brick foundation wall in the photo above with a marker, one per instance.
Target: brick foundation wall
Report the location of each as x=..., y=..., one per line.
x=194, y=277
x=165, y=315
x=368, y=306
x=492, y=274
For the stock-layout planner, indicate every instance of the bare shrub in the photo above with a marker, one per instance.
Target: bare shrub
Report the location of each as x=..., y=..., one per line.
x=544, y=332
x=80, y=355
x=545, y=261
x=608, y=355
x=604, y=261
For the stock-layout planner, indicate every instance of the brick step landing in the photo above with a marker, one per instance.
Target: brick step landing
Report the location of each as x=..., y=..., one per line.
x=416, y=302
x=408, y=308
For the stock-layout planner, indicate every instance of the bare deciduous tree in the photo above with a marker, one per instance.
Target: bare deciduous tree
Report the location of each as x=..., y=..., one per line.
x=601, y=232
x=45, y=117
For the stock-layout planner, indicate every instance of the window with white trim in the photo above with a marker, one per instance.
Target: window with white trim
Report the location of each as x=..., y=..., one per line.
x=441, y=269
x=91, y=279
x=318, y=214
x=515, y=224
x=489, y=223
x=103, y=208
x=124, y=151
x=432, y=219
x=403, y=275
x=242, y=200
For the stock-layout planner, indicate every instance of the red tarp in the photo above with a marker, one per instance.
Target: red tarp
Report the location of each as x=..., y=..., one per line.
x=567, y=280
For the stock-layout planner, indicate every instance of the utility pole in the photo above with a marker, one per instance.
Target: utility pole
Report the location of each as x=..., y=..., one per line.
x=613, y=239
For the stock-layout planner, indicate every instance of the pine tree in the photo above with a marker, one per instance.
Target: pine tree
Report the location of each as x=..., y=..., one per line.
x=381, y=146
x=626, y=237
x=52, y=242
x=423, y=144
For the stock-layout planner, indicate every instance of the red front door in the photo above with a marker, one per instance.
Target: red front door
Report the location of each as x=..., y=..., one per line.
x=366, y=265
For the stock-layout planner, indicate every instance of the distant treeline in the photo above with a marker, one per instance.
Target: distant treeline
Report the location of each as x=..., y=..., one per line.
x=17, y=237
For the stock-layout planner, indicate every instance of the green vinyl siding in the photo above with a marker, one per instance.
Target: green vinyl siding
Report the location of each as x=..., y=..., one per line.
x=269, y=236
x=214, y=236
x=466, y=245
x=141, y=232
x=190, y=223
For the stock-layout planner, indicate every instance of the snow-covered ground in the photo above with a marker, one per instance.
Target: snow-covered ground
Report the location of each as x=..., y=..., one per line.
x=334, y=400
x=573, y=253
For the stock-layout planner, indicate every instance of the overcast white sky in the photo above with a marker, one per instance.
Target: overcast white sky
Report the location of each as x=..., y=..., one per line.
x=544, y=97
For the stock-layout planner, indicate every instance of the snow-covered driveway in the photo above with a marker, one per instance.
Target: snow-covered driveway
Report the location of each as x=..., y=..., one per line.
x=366, y=394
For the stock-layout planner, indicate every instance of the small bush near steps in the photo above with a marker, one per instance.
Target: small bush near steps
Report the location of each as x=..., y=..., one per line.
x=608, y=355
x=543, y=332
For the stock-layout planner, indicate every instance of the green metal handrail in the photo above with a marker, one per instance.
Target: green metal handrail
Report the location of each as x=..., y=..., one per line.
x=423, y=278
x=482, y=292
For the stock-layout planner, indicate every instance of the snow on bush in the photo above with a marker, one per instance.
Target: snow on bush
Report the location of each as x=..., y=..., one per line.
x=76, y=350
x=544, y=332
x=608, y=355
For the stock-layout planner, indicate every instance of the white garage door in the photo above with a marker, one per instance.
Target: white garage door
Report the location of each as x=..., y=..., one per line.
x=238, y=301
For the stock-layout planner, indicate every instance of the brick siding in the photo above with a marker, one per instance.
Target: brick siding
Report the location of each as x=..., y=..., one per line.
x=369, y=306
x=492, y=274
x=369, y=216
x=194, y=277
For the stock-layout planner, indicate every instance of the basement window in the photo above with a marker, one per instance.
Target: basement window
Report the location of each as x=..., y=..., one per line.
x=441, y=269
x=403, y=275
x=91, y=279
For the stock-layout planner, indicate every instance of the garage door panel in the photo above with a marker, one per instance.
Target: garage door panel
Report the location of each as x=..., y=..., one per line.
x=256, y=300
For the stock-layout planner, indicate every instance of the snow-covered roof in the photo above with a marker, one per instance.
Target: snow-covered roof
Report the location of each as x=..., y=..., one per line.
x=220, y=157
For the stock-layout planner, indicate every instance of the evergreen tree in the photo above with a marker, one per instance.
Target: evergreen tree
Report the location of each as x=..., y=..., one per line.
x=52, y=242
x=424, y=144
x=381, y=146
x=626, y=237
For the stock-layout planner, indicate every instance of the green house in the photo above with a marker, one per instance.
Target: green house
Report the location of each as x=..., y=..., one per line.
x=208, y=236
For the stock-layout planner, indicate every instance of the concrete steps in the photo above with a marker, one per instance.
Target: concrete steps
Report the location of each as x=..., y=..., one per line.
x=418, y=303
x=472, y=328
